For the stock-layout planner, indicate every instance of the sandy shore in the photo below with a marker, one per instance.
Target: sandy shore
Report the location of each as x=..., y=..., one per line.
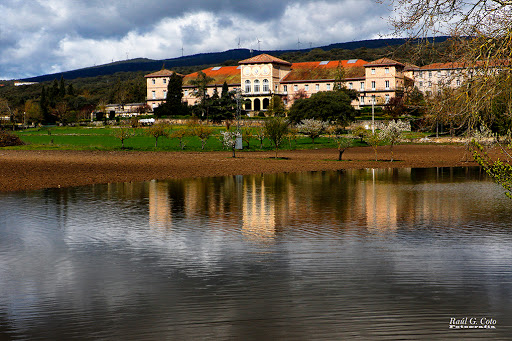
x=25, y=170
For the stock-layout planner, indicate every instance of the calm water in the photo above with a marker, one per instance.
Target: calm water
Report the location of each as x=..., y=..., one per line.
x=368, y=254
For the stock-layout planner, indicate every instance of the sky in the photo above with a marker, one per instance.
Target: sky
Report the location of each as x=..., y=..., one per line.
x=48, y=36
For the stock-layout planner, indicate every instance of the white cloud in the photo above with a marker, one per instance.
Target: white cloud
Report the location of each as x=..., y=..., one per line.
x=58, y=35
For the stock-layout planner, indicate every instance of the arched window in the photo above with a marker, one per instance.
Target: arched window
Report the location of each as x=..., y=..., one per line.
x=266, y=102
x=257, y=104
x=247, y=86
x=256, y=86
x=265, y=85
x=248, y=105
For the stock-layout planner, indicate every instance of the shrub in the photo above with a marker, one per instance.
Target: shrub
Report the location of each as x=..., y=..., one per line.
x=8, y=139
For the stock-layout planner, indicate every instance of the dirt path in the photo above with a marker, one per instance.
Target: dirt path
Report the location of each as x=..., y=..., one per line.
x=24, y=170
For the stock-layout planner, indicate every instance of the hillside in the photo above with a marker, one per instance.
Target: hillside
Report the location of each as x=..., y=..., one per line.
x=225, y=58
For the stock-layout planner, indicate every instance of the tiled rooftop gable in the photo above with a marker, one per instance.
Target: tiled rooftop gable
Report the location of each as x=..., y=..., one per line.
x=384, y=62
x=162, y=73
x=264, y=58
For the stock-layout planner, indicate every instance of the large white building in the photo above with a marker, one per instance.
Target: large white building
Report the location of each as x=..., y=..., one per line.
x=263, y=76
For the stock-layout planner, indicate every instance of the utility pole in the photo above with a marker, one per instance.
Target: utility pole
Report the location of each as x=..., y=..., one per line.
x=238, y=97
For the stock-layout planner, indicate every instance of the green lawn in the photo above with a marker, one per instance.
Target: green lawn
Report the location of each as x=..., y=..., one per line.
x=102, y=138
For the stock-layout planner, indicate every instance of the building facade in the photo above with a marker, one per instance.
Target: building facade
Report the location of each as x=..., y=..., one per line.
x=264, y=76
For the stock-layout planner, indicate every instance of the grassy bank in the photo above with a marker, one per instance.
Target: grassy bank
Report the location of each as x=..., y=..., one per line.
x=103, y=138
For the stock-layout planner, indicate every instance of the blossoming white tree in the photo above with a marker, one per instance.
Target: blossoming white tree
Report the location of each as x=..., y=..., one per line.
x=229, y=139
x=393, y=132
x=312, y=128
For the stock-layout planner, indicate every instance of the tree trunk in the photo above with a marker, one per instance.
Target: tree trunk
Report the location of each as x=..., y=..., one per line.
x=156, y=142
x=234, y=152
x=340, y=154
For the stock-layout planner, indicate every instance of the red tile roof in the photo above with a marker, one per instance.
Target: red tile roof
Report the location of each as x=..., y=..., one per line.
x=229, y=74
x=450, y=65
x=162, y=73
x=384, y=62
x=264, y=58
x=325, y=70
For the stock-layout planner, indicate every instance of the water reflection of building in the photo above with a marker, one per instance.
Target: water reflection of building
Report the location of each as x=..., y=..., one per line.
x=263, y=206
x=258, y=209
x=159, y=204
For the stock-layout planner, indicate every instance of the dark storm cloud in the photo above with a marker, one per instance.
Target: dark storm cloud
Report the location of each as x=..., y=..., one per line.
x=44, y=36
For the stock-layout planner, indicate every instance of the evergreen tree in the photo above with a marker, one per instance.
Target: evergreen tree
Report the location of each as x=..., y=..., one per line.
x=62, y=87
x=174, y=102
x=71, y=91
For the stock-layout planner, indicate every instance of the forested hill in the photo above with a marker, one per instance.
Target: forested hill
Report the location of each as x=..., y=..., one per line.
x=229, y=57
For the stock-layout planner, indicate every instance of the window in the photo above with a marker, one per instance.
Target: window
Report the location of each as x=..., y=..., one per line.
x=256, y=85
x=247, y=86
x=373, y=71
x=165, y=80
x=276, y=88
x=362, y=86
x=317, y=87
x=430, y=73
x=420, y=74
x=285, y=88
x=306, y=87
x=153, y=81
x=362, y=100
x=373, y=99
x=154, y=94
x=186, y=92
x=328, y=87
x=266, y=87
x=421, y=84
x=350, y=85
x=295, y=88
x=438, y=73
x=373, y=85
x=165, y=93
x=387, y=98
x=458, y=82
x=387, y=85
x=429, y=83
x=386, y=70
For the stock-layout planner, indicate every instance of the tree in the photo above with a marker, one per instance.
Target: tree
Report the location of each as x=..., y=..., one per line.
x=360, y=132
x=229, y=140
x=373, y=139
x=173, y=104
x=334, y=106
x=201, y=84
x=339, y=77
x=203, y=133
x=180, y=134
x=312, y=128
x=342, y=143
x=260, y=134
x=392, y=132
x=276, y=129
x=276, y=106
x=157, y=131
x=33, y=112
x=481, y=33
x=123, y=133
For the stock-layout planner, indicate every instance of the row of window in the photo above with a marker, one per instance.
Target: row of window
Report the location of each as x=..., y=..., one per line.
x=256, y=86
x=439, y=73
x=386, y=70
x=153, y=81
x=373, y=100
x=439, y=83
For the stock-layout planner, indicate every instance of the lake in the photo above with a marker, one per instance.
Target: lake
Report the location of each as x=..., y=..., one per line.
x=373, y=254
